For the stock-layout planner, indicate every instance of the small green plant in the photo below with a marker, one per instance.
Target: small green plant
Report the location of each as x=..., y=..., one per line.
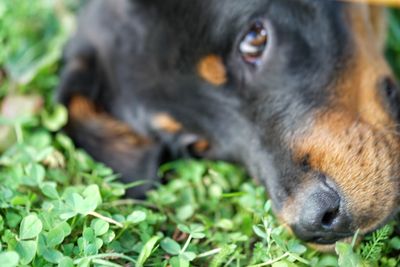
x=373, y=248
x=393, y=51
x=182, y=257
x=58, y=207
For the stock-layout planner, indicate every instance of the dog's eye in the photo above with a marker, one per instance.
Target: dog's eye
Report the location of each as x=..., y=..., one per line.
x=254, y=43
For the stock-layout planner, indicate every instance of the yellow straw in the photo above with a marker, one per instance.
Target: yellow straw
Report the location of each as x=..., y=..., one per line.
x=393, y=3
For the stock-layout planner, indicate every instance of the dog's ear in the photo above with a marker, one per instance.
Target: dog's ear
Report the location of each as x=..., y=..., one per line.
x=377, y=16
x=113, y=142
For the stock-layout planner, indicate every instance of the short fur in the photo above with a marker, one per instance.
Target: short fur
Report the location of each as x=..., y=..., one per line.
x=319, y=113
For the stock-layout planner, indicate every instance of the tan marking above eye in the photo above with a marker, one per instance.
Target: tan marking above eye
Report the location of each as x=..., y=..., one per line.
x=165, y=122
x=212, y=69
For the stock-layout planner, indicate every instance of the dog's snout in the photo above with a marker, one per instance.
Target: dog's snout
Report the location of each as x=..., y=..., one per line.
x=323, y=218
x=391, y=95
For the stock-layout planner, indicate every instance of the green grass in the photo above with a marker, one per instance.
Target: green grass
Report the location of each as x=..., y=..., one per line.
x=59, y=207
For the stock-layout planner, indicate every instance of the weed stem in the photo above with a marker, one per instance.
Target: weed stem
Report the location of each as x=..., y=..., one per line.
x=186, y=244
x=209, y=253
x=104, y=256
x=104, y=218
x=287, y=254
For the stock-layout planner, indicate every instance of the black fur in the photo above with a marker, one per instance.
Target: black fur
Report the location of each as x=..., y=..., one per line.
x=141, y=58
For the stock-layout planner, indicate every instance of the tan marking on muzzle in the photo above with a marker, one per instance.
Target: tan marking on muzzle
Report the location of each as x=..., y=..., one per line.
x=212, y=69
x=360, y=159
x=353, y=140
x=357, y=89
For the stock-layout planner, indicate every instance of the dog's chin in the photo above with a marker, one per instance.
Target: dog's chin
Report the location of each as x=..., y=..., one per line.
x=322, y=245
x=329, y=247
x=325, y=245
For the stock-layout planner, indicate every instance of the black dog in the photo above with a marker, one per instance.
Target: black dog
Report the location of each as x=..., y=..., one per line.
x=297, y=91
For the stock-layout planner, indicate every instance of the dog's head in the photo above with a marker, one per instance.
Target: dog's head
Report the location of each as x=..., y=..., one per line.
x=317, y=87
x=312, y=82
x=326, y=104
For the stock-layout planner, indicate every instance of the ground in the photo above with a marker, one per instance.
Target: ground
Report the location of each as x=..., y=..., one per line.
x=59, y=207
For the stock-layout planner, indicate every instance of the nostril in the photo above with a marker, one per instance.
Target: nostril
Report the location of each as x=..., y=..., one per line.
x=328, y=219
x=321, y=211
x=323, y=217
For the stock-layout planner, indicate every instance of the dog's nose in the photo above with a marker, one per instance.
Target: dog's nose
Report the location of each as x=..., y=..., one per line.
x=322, y=218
